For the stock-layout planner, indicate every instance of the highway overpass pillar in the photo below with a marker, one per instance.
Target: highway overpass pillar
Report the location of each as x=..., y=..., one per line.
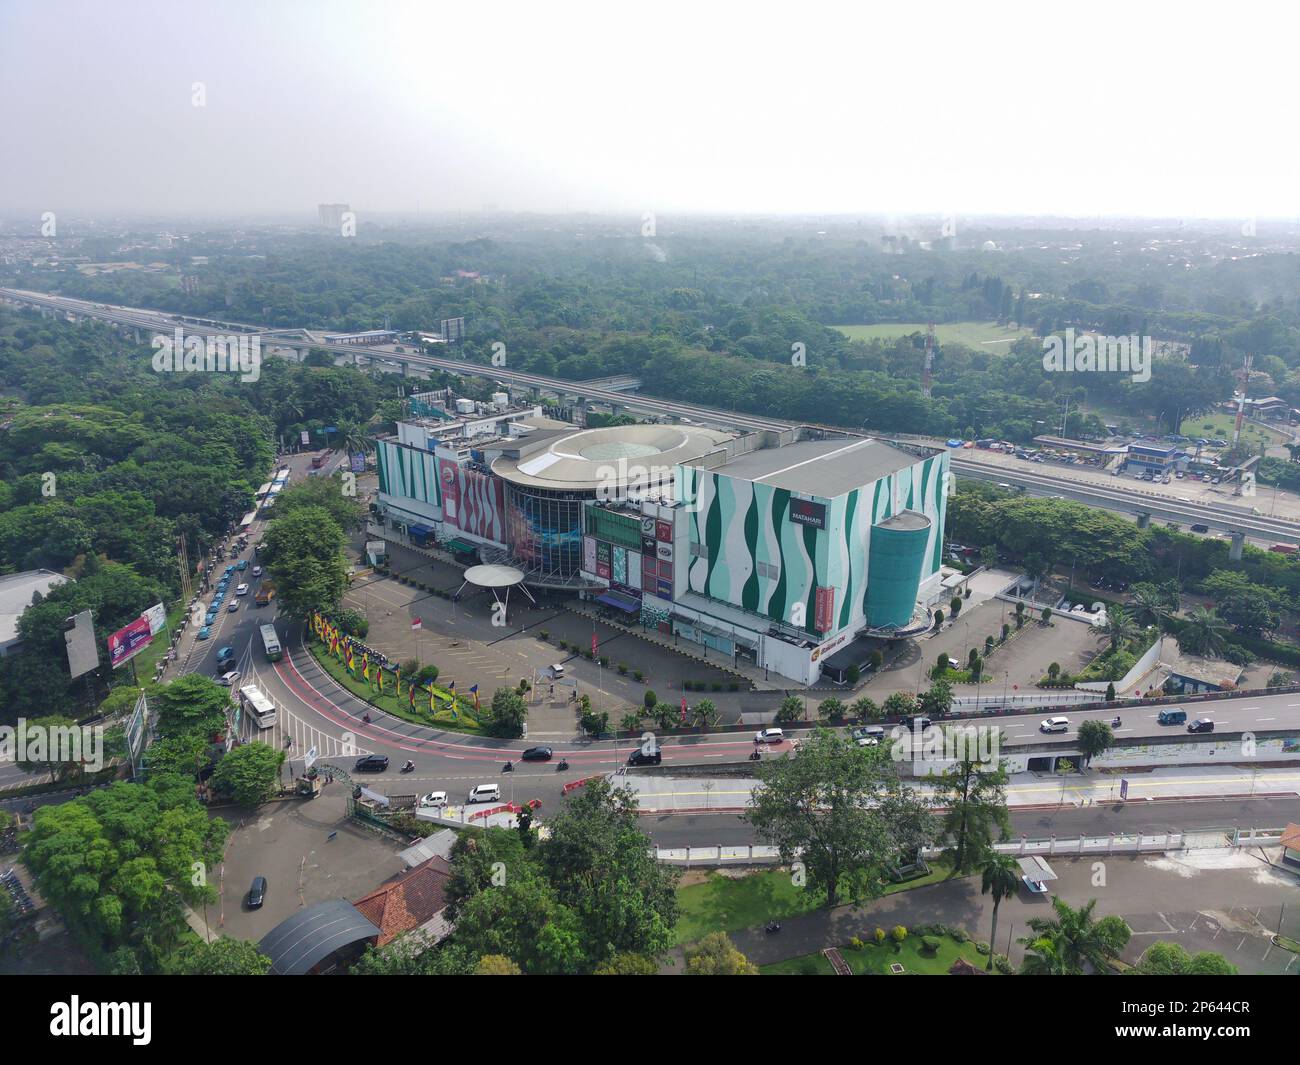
x=1238, y=542
x=1144, y=520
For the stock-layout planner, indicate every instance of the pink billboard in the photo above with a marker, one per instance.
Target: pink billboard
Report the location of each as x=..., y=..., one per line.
x=128, y=641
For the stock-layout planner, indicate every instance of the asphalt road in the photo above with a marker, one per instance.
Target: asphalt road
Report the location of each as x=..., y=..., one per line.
x=729, y=829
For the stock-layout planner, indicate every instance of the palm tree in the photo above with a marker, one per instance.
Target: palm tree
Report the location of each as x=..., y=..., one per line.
x=1120, y=628
x=352, y=438
x=1203, y=633
x=1000, y=878
x=1064, y=944
x=1150, y=605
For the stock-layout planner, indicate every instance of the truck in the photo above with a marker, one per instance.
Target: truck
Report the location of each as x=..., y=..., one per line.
x=320, y=460
x=265, y=593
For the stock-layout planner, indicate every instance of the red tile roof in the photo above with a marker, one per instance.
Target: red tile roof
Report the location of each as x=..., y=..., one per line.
x=410, y=900
x=1291, y=837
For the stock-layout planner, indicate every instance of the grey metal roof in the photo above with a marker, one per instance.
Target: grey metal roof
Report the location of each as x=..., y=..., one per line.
x=299, y=942
x=826, y=468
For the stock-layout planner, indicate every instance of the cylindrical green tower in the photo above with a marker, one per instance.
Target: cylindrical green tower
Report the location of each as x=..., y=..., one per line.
x=894, y=568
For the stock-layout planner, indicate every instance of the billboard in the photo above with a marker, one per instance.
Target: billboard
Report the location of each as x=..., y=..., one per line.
x=453, y=329
x=128, y=641
x=156, y=615
x=589, y=554
x=663, y=530
x=358, y=459
x=808, y=512
x=83, y=655
x=447, y=474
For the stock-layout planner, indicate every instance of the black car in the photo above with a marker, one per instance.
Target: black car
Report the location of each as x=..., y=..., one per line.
x=257, y=892
x=1201, y=724
x=1198, y=528
x=640, y=757
x=537, y=754
x=371, y=763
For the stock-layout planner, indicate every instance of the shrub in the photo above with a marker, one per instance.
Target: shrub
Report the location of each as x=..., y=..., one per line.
x=716, y=685
x=880, y=936
x=604, y=661
x=1002, y=964
x=938, y=619
x=733, y=686
x=543, y=634
x=650, y=698
x=931, y=944
x=622, y=668
x=638, y=676
x=856, y=944
x=426, y=675
x=807, y=967
x=898, y=933
x=982, y=948
x=959, y=934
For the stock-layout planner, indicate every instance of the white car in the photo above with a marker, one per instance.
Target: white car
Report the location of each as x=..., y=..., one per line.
x=241, y=589
x=484, y=793
x=257, y=571
x=769, y=735
x=434, y=798
x=228, y=680
x=1055, y=724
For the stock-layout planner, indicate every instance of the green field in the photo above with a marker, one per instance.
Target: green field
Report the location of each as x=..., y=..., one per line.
x=988, y=335
x=1220, y=426
x=872, y=960
x=729, y=903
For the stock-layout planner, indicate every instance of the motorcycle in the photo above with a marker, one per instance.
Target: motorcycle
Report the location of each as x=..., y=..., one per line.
x=365, y=718
x=771, y=927
x=509, y=767
x=1115, y=722
x=561, y=766
x=409, y=767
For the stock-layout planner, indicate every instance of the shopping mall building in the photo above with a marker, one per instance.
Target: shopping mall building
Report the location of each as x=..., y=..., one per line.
x=795, y=551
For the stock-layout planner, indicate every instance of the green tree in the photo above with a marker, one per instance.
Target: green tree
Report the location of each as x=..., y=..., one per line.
x=791, y=709
x=250, y=774
x=304, y=557
x=1000, y=878
x=1071, y=941
x=1171, y=959
x=937, y=701
x=1119, y=628
x=841, y=810
x=224, y=956
x=1202, y=633
x=191, y=704
x=506, y=715
x=496, y=965
x=627, y=964
x=974, y=795
x=1094, y=738
x=716, y=955
x=831, y=709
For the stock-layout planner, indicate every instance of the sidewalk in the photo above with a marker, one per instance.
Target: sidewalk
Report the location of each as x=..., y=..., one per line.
x=1025, y=790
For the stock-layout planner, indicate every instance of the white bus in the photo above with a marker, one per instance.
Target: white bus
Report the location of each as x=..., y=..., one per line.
x=260, y=709
x=271, y=643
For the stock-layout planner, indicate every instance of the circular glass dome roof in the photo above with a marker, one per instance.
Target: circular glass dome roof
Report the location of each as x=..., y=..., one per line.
x=618, y=449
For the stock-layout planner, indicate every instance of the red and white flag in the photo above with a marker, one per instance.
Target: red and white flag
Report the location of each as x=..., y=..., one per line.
x=417, y=623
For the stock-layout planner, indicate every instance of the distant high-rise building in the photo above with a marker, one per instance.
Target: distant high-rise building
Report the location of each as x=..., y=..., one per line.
x=331, y=214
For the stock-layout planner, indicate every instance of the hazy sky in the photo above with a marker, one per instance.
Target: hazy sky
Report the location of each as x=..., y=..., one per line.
x=1134, y=108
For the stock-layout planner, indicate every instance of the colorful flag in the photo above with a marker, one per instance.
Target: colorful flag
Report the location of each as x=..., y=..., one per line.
x=417, y=623
x=474, y=692
x=379, y=675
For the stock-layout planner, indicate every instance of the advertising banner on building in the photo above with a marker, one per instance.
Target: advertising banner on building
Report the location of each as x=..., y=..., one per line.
x=589, y=554
x=447, y=475
x=825, y=609
x=618, y=565
x=664, y=530
x=602, y=560
x=128, y=641
x=665, y=551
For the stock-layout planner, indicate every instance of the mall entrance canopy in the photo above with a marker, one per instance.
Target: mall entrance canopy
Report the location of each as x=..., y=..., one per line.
x=498, y=580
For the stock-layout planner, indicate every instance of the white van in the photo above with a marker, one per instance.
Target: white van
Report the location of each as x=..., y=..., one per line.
x=1055, y=724
x=557, y=672
x=484, y=793
x=769, y=735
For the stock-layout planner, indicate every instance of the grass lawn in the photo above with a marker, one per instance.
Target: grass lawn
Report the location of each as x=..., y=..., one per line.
x=390, y=704
x=1220, y=426
x=973, y=334
x=728, y=903
x=148, y=658
x=872, y=960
